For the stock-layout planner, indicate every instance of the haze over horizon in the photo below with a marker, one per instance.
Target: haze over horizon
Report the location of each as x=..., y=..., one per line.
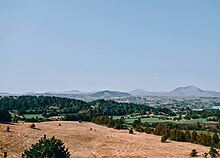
x=115, y=45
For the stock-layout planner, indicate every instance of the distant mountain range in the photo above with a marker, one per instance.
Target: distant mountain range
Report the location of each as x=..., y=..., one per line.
x=188, y=91
x=109, y=94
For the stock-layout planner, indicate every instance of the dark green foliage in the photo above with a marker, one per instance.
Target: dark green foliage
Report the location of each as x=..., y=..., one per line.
x=34, y=119
x=5, y=116
x=205, y=139
x=53, y=106
x=213, y=153
x=32, y=125
x=187, y=135
x=109, y=122
x=205, y=155
x=15, y=118
x=158, y=129
x=164, y=138
x=8, y=129
x=147, y=129
x=215, y=139
x=177, y=134
x=47, y=148
x=203, y=114
x=77, y=117
x=109, y=107
x=137, y=123
x=193, y=153
x=139, y=129
x=193, y=138
x=131, y=131
x=43, y=104
x=173, y=134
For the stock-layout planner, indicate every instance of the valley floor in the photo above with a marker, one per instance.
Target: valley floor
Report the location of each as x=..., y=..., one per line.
x=98, y=142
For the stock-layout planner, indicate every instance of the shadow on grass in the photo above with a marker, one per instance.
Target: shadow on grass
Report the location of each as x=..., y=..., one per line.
x=36, y=128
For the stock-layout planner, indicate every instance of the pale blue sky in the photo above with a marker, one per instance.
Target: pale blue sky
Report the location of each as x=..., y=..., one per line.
x=49, y=45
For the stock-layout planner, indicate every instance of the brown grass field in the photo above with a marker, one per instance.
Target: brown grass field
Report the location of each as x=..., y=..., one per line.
x=98, y=142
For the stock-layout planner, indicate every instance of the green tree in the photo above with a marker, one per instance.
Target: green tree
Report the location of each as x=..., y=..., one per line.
x=47, y=148
x=5, y=116
x=32, y=125
x=193, y=153
x=213, y=153
x=187, y=135
x=163, y=138
x=8, y=129
x=193, y=138
x=205, y=155
x=215, y=139
x=131, y=131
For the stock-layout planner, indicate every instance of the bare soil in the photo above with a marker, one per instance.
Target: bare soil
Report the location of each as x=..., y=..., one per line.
x=98, y=142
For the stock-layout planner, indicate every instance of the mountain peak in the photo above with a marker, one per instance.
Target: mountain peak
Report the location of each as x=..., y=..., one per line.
x=108, y=93
x=188, y=89
x=139, y=92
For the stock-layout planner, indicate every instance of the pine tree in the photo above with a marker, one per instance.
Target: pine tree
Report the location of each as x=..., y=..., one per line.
x=194, y=153
x=164, y=138
x=173, y=134
x=193, y=138
x=213, y=153
x=131, y=131
x=46, y=148
x=187, y=135
x=215, y=139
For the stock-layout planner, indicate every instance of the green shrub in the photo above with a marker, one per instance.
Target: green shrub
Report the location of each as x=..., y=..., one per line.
x=47, y=148
x=163, y=138
x=32, y=125
x=193, y=153
x=213, y=153
x=131, y=131
x=8, y=129
x=205, y=155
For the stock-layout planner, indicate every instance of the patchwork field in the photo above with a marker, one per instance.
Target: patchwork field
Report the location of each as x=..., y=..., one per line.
x=98, y=142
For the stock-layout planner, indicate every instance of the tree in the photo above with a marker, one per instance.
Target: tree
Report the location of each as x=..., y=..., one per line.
x=47, y=147
x=8, y=129
x=187, y=135
x=215, y=139
x=193, y=138
x=163, y=138
x=15, y=118
x=136, y=123
x=213, y=153
x=131, y=131
x=193, y=153
x=5, y=116
x=205, y=155
x=32, y=125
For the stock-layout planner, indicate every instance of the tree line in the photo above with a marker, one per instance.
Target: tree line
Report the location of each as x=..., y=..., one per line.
x=109, y=121
x=72, y=108
x=177, y=134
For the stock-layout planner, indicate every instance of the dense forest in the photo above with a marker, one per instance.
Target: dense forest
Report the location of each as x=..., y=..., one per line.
x=53, y=106
x=206, y=113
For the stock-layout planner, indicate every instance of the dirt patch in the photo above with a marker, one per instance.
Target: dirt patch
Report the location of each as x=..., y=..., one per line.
x=98, y=142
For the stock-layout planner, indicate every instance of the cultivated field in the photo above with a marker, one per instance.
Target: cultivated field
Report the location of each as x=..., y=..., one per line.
x=98, y=142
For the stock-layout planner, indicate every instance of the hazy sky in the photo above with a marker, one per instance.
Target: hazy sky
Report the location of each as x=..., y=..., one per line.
x=50, y=45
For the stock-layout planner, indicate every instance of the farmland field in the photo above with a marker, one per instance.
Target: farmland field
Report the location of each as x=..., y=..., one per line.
x=33, y=115
x=156, y=120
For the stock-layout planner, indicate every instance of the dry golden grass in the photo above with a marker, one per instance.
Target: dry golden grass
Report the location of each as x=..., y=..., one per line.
x=98, y=142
